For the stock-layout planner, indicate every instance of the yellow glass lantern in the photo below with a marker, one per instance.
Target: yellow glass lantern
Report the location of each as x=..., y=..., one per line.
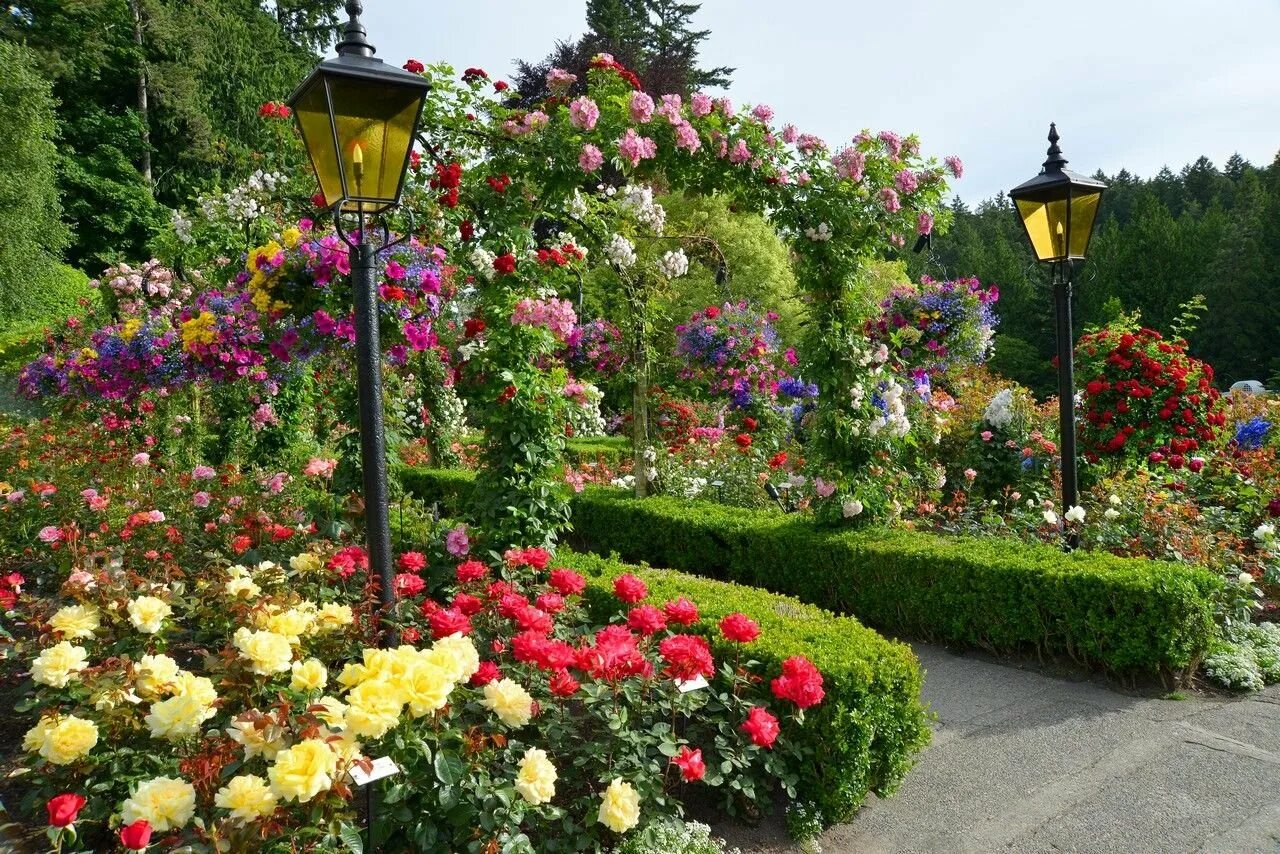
x=1058, y=207
x=358, y=118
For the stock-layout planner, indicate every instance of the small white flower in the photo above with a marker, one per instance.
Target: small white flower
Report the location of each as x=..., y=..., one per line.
x=1114, y=500
x=820, y=234
x=1075, y=514
x=851, y=508
x=620, y=252
x=1246, y=578
x=1264, y=531
x=673, y=264
x=1050, y=518
x=1112, y=514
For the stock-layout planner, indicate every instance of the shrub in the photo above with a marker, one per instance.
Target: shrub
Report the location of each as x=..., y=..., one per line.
x=869, y=726
x=1122, y=614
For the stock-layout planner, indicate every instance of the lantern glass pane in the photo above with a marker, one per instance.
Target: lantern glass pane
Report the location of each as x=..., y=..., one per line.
x=1084, y=210
x=312, y=112
x=1047, y=227
x=375, y=124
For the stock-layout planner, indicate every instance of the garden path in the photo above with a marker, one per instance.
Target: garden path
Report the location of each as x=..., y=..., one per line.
x=1025, y=762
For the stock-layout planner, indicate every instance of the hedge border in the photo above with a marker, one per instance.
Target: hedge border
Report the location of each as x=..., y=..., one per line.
x=1124, y=615
x=865, y=733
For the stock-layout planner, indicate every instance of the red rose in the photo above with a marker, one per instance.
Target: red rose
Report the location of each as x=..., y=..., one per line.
x=743, y=440
x=471, y=570
x=449, y=621
x=412, y=562
x=408, y=584
x=64, y=808
x=505, y=263
x=511, y=603
x=712, y=312
x=467, y=230
x=414, y=67
x=629, y=589
x=562, y=684
x=740, y=628
x=508, y=394
x=761, y=726
x=136, y=836
x=567, y=582
x=487, y=672
x=681, y=611
x=472, y=74
x=472, y=327
x=467, y=604
x=646, y=619
x=533, y=619
x=552, y=603
x=800, y=682
x=241, y=544
x=501, y=86
x=687, y=657
x=410, y=635
x=527, y=646
x=778, y=460
x=1196, y=464
x=319, y=200
x=690, y=763
x=750, y=424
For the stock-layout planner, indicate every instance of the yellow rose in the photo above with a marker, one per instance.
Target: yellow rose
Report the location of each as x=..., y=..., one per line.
x=76, y=621
x=373, y=708
x=178, y=717
x=242, y=588
x=156, y=675
x=163, y=802
x=292, y=624
x=267, y=652
x=620, y=806
x=247, y=796
x=344, y=744
x=309, y=675
x=333, y=616
x=303, y=771
x=511, y=703
x=259, y=734
x=147, y=613
x=197, y=687
x=426, y=688
x=62, y=740
x=536, y=780
x=460, y=654
x=335, y=711
x=59, y=664
x=306, y=563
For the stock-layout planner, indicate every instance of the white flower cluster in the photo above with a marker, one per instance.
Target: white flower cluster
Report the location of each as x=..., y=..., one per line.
x=821, y=234
x=577, y=206
x=638, y=200
x=999, y=411
x=246, y=202
x=482, y=259
x=894, y=418
x=620, y=252
x=181, y=226
x=673, y=264
x=585, y=417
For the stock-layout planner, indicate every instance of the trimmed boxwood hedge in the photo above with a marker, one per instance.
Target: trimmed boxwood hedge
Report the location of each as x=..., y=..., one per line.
x=610, y=450
x=865, y=732
x=1124, y=615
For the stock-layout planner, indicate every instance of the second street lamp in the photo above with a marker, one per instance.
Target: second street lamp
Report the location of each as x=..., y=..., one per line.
x=358, y=119
x=1058, y=208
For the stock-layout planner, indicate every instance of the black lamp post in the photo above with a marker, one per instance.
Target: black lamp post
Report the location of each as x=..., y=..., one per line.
x=1058, y=208
x=358, y=119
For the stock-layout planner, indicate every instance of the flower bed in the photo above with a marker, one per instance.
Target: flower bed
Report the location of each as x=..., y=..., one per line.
x=1123, y=615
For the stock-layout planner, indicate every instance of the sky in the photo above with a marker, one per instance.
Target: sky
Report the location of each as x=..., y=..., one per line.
x=1132, y=84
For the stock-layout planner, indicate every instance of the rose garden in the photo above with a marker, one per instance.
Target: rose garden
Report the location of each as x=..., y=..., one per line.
x=658, y=532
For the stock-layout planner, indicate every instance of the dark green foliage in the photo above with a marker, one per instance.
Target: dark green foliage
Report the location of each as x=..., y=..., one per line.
x=34, y=235
x=1158, y=243
x=611, y=450
x=1120, y=614
x=869, y=726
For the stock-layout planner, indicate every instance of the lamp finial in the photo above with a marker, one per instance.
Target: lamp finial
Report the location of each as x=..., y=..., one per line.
x=1055, y=160
x=355, y=40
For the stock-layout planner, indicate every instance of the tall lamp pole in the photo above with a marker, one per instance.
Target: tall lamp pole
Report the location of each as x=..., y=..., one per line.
x=1058, y=208
x=358, y=119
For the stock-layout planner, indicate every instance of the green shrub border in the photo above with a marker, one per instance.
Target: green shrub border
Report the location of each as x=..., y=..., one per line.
x=1122, y=615
x=865, y=733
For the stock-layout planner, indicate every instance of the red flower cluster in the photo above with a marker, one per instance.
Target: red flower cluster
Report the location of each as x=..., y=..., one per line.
x=508, y=394
x=800, y=682
x=505, y=263
x=740, y=628
x=449, y=621
x=647, y=619
x=559, y=256
x=348, y=561
x=472, y=326
x=10, y=587
x=500, y=183
x=448, y=178
x=607, y=62
x=413, y=66
x=567, y=582
x=614, y=656
x=1144, y=394
x=471, y=75
x=274, y=110
x=534, y=558
x=412, y=562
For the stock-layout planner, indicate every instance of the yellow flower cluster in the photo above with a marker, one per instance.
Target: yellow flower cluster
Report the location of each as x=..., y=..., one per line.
x=306, y=563
x=266, y=651
x=180, y=716
x=536, y=777
x=510, y=702
x=130, y=328
x=61, y=740
x=620, y=806
x=147, y=613
x=75, y=622
x=387, y=680
x=59, y=664
x=163, y=802
x=198, y=330
x=261, y=282
x=248, y=797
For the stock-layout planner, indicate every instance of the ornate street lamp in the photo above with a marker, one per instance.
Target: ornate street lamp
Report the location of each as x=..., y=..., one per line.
x=1058, y=208
x=358, y=119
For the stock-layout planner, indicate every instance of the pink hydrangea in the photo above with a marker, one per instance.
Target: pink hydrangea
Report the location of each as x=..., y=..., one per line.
x=641, y=108
x=889, y=199
x=701, y=104
x=590, y=159
x=635, y=148
x=583, y=113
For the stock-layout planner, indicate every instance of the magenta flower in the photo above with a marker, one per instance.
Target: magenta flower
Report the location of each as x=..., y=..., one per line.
x=924, y=224
x=456, y=541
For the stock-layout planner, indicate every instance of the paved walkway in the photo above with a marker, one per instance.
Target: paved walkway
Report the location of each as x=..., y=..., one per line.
x=1024, y=762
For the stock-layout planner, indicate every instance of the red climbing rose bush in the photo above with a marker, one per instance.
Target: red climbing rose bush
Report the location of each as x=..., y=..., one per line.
x=1143, y=396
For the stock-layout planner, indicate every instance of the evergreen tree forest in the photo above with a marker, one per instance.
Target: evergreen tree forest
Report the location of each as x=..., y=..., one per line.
x=1159, y=242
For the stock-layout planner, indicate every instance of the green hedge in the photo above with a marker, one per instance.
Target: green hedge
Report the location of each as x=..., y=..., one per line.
x=610, y=450
x=1124, y=615
x=869, y=726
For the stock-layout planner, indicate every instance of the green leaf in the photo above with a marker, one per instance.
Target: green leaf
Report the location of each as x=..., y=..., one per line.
x=351, y=837
x=449, y=768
